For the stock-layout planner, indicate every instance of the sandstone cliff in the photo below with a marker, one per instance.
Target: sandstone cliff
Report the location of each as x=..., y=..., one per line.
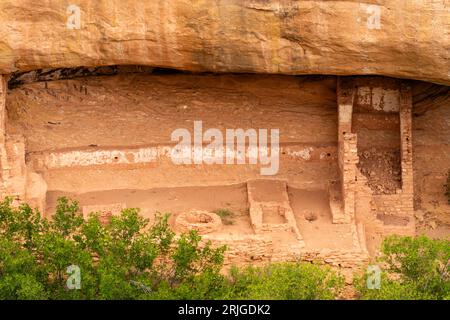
x=399, y=38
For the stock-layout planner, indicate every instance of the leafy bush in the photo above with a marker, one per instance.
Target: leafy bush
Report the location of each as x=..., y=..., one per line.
x=285, y=281
x=415, y=268
x=130, y=259
x=121, y=260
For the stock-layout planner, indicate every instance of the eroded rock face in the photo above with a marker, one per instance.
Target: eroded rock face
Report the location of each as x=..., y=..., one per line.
x=398, y=38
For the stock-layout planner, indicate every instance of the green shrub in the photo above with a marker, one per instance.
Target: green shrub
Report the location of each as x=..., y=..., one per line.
x=415, y=268
x=285, y=281
x=130, y=259
x=121, y=260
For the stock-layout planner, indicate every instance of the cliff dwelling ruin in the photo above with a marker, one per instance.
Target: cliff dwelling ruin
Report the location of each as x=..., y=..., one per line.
x=360, y=157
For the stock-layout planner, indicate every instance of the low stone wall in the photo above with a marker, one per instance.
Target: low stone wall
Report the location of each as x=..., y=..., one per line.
x=262, y=249
x=201, y=221
x=394, y=204
x=337, y=258
x=243, y=249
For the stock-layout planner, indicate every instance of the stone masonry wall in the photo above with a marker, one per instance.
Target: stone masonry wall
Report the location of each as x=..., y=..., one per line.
x=347, y=149
x=406, y=146
x=388, y=213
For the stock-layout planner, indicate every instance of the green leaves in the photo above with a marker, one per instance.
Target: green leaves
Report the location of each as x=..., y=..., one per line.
x=22, y=287
x=414, y=268
x=130, y=259
x=116, y=260
x=67, y=218
x=161, y=233
x=127, y=225
x=286, y=281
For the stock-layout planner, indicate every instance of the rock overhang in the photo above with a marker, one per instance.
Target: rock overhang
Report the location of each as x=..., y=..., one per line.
x=401, y=39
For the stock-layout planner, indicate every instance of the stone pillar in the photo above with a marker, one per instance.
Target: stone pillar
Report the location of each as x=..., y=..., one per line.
x=347, y=149
x=345, y=98
x=350, y=154
x=406, y=149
